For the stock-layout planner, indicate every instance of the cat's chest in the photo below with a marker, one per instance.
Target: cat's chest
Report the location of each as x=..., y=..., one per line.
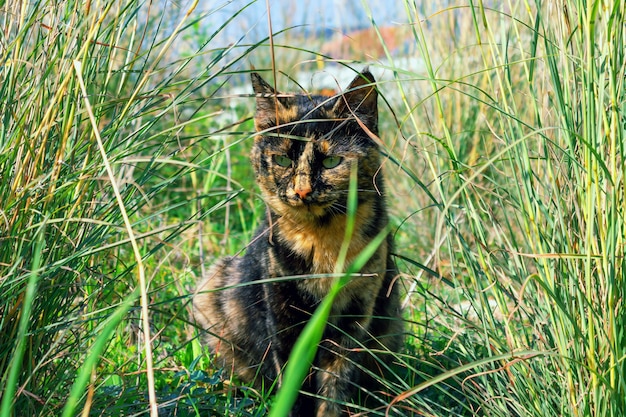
x=320, y=246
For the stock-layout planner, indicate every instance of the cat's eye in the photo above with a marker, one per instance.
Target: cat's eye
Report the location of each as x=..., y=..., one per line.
x=331, y=162
x=282, y=161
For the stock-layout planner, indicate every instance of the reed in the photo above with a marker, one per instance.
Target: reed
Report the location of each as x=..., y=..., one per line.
x=97, y=119
x=524, y=158
x=123, y=171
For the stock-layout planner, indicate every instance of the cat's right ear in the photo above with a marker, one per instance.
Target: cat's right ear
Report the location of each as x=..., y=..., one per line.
x=269, y=102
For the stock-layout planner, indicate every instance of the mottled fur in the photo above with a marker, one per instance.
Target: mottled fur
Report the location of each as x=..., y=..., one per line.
x=303, y=154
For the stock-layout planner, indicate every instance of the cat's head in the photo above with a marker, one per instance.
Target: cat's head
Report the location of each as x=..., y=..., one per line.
x=307, y=145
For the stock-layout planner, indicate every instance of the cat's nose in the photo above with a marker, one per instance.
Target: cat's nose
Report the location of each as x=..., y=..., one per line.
x=302, y=185
x=303, y=191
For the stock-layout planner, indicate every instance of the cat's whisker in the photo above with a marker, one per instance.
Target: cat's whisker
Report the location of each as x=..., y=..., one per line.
x=359, y=190
x=337, y=210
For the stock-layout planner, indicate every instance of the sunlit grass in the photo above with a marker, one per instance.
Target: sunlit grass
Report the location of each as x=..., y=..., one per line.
x=504, y=135
x=97, y=121
x=531, y=206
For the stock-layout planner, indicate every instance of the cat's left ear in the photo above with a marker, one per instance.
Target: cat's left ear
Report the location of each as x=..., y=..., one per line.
x=269, y=102
x=360, y=100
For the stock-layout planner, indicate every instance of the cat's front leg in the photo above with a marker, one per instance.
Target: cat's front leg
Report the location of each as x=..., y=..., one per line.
x=337, y=378
x=340, y=355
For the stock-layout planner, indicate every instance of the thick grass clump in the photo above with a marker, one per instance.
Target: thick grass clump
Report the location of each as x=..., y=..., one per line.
x=123, y=173
x=100, y=192
x=527, y=183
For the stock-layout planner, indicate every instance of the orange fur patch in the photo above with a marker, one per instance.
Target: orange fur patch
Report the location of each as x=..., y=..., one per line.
x=322, y=245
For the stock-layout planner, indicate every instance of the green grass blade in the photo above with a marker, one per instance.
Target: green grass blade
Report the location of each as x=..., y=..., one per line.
x=105, y=330
x=306, y=346
x=10, y=386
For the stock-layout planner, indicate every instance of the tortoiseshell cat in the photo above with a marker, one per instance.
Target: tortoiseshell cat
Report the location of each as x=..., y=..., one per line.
x=302, y=156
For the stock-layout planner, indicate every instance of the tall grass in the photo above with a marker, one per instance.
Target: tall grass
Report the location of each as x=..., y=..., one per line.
x=97, y=118
x=505, y=141
x=530, y=191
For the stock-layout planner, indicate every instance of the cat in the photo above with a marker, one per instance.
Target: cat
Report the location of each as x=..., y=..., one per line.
x=303, y=153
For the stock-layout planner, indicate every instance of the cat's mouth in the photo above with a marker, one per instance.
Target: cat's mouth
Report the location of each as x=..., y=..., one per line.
x=308, y=208
x=302, y=209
